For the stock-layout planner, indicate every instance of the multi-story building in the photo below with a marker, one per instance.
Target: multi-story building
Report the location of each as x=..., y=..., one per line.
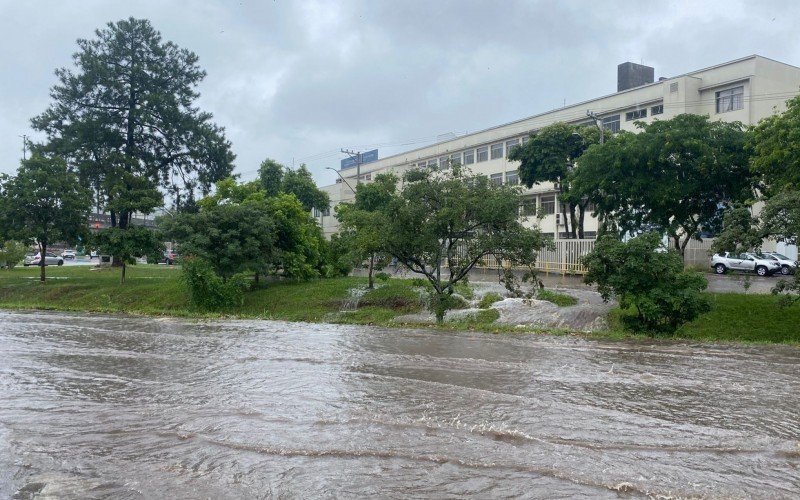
x=746, y=90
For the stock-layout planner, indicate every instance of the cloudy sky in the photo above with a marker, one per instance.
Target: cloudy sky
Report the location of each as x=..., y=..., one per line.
x=298, y=80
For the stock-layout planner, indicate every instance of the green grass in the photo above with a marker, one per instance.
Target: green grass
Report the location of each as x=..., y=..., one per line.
x=559, y=299
x=489, y=299
x=733, y=318
x=157, y=290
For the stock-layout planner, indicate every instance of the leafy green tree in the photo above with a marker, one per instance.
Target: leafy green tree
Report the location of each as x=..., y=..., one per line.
x=775, y=147
x=127, y=244
x=642, y=274
x=240, y=228
x=550, y=156
x=232, y=238
x=126, y=118
x=12, y=253
x=740, y=232
x=362, y=222
x=45, y=203
x=443, y=223
x=675, y=176
x=276, y=178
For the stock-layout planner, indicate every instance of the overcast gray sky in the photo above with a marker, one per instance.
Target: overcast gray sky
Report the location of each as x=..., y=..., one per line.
x=298, y=80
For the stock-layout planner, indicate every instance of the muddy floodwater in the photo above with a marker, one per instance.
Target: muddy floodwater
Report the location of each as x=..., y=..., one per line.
x=122, y=407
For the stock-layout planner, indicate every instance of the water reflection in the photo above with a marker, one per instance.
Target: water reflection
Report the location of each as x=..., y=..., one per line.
x=99, y=406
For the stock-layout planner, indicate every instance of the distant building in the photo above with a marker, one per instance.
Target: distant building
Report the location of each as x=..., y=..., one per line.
x=745, y=90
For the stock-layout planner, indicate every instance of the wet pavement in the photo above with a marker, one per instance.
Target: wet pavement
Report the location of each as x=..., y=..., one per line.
x=127, y=407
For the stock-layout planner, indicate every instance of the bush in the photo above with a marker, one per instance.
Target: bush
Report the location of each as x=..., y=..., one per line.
x=489, y=299
x=382, y=276
x=559, y=299
x=207, y=291
x=643, y=275
x=11, y=253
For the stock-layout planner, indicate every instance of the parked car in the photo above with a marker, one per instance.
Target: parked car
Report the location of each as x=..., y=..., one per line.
x=744, y=262
x=50, y=259
x=788, y=266
x=68, y=254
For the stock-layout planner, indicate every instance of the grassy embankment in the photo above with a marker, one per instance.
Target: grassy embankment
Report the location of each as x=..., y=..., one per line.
x=156, y=290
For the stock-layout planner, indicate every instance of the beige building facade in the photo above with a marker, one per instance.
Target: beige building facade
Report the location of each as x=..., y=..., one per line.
x=746, y=90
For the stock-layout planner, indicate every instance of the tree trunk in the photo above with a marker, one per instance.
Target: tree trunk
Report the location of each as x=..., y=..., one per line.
x=564, y=221
x=256, y=277
x=124, y=268
x=42, y=260
x=371, y=284
x=572, y=221
x=581, y=220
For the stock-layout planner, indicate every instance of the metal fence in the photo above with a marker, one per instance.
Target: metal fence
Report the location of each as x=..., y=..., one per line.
x=565, y=257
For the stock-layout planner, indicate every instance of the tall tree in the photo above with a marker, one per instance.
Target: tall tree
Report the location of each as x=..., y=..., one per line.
x=125, y=117
x=549, y=156
x=276, y=178
x=45, y=203
x=362, y=221
x=675, y=176
x=443, y=223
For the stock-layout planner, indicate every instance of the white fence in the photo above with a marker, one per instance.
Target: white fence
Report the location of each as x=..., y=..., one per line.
x=565, y=258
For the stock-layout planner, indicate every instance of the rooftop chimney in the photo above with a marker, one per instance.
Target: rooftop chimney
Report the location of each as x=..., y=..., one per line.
x=630, y=75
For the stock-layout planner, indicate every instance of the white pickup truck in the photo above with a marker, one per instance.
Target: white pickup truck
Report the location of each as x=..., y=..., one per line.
x=744, y=262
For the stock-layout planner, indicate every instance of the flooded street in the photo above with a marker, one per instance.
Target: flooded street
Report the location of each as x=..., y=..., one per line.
x=122, y=407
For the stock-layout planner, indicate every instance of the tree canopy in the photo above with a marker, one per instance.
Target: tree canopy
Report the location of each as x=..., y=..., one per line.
x=550, y=155
x=276, y=178
x=44, y=203
x=363, y=220
x=126, y=118
x=675, y=176
x=441, y=224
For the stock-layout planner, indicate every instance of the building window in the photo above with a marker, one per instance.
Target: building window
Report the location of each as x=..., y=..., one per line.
x=497, y=150
x=317, y=212
x=657, y=110
x=673, y=87
x=548, y=204
x=525, y=139
x=432, y=164
x=455, y=159
x=635, y=115
x=483, y=153
x=528, y=206
x=511, y=144
x=730, y=100
x=444, y=162
x=512, y=178
x=469, y=157
x=497, y=179
x=326, y=212
x=611, y=123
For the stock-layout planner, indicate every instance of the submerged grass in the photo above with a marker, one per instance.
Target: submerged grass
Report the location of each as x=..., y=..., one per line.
x=157, y=290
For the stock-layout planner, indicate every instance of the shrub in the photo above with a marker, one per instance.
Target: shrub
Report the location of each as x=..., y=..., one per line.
x=207, y=291
x=489, y=299
x=559, y=299
x=382, y=276
x=643, y=275
x=11, y=253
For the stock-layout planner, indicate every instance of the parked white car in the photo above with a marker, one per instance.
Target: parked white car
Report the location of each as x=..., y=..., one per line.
x=788, y=266
x=68, y=254
x=744, y=262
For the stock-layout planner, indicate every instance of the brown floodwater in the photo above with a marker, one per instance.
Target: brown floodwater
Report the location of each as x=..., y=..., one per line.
x=126, y=407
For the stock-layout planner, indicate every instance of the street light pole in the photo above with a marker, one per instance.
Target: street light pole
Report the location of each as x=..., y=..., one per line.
x=356, y=155
x=343, y=179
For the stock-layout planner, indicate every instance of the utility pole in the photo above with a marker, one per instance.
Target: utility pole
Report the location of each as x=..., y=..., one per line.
x=24, y=146
x=356, y=155
x=599, y=122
